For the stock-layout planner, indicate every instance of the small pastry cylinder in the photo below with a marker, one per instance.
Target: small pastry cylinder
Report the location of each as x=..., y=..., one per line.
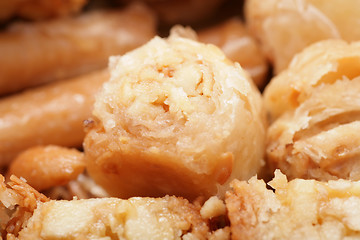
x=51, y=114
x=35, y=53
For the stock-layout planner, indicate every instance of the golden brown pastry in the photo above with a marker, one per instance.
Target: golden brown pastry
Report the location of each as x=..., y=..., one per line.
x=136, y=218
x=35, y=53
x=51, y=114
x=285, y=27
x=172, y=12
x=48, y=166
x=299, y=209
x=27, y=214
x=316, y=108
x=39, y=9
x=18, y=200
x=232, y=37
x=176, y=117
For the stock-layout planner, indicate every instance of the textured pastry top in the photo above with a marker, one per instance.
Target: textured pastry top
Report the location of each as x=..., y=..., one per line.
x=298, y=209
x=324, y=62
x=185, y=104
x=315, y=107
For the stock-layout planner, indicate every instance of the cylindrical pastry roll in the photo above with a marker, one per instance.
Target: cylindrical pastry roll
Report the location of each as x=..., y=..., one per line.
x=232, y=37
x=315, y=134
x=177, y=117
x=285, y=27
x=172, y=12
x=39, y=9
x=51, y=114
x=34, y=53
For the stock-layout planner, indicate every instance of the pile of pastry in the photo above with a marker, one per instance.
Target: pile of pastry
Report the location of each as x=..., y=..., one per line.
x=241, y=122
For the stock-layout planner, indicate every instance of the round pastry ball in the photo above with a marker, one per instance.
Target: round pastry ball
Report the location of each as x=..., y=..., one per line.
x=317, y=118
x=178, y=118
x=285, y=27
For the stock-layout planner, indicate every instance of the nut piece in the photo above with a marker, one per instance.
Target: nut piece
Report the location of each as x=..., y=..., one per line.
x=48, y=166
x=39, y=9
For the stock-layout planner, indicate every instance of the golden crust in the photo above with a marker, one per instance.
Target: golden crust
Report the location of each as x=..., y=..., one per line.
x=50, y=114
x=299, y=209
x=48, y=166
x=314, y=134
x=171, y=121
x=27, y=214
x=321, y=63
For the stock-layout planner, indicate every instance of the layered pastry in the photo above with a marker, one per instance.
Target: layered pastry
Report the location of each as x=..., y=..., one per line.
x=176, y=117
x=297, y=209
x=27, y=214
x=315, y=107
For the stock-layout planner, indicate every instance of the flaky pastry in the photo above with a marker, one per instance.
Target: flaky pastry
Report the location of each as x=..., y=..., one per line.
x=136, y=218
x=316, y=108
x=299, y=209
x=176, y=117
x=27, y=214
